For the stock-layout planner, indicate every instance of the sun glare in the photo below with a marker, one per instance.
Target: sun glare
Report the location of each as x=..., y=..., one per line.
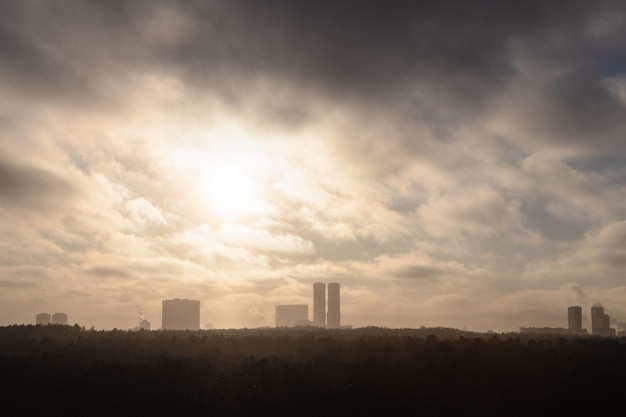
x=231, y=177
x=231, y=190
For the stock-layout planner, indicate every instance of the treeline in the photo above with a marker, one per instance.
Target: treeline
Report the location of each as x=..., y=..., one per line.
x=64, y=370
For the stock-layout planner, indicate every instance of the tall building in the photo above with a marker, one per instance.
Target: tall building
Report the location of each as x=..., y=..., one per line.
x=144, y=325
x=575, y=319
x=600, y=322
x=292, y=315
x=181, y=314
x=334, y=314
x=319, y=304
x=59, y=318
x=42, y=319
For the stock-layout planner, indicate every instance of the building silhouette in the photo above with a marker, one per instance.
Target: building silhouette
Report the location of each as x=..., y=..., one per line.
x=290, y=315
x=144, y=325
x=59, y=318
x=575, y=319
x=600, y=322
x=319, y=304
x=334, y=314
x=180, y=314
x=42, y=319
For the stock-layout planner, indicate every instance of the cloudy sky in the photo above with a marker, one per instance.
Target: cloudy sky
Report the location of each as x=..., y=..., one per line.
x=450, y=164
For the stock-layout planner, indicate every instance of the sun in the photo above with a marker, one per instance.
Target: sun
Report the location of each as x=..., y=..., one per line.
x=232, y=190
x=229, y=170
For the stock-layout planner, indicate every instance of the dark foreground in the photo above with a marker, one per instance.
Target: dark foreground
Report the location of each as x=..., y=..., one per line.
x=307, y=372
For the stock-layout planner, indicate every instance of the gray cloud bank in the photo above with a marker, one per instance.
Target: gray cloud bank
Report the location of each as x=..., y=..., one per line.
x=451, y=163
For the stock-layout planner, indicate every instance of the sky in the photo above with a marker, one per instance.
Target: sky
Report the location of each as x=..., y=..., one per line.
x=456, y=164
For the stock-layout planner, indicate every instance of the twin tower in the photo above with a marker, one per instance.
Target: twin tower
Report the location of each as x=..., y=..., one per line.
x=321, y=318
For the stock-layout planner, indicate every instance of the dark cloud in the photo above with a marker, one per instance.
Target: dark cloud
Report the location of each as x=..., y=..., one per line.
x=612, y=165
x=551, y=226
x=612, y=240
x=459, y=54
x=17, y=284
x=22, y=277
x=419, y=272
x=108, y=272
x=378, y=48
x=72, y=53
x=616, y=260
x=613, y=63
x=33, y=187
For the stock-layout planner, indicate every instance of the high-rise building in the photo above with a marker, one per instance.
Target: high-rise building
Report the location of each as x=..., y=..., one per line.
x=334, y=314
x=319, y=304
x=181, y=314
x=575, y=319
x=600, y=322
x=144, y=325
x=292, y=315
x=42, y=319
x=59, y=318
x=597, y=320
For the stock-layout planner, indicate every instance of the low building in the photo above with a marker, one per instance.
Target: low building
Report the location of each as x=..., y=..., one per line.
x=42, y=319
x=181, y=314
x=59, y=318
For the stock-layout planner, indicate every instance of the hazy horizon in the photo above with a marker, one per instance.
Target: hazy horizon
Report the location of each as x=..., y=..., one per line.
x=453, y=164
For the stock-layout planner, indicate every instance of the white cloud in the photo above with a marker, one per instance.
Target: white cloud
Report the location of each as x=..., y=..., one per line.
x=141, y=213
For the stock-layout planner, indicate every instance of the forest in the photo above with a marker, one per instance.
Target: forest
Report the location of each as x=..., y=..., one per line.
x=69, y=370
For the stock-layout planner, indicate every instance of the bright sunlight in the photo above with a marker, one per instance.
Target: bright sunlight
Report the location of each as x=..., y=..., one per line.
x=231, y=190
